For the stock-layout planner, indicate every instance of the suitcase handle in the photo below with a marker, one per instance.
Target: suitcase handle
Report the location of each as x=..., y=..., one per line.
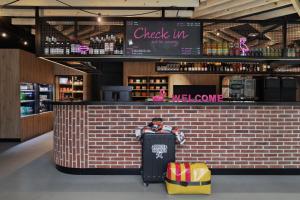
x=185, y=184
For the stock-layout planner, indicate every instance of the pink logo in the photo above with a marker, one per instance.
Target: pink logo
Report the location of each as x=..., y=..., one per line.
x=243, y=46
x=83, y=48
x=160, y=97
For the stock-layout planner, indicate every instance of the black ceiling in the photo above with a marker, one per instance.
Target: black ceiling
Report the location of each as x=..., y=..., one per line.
x=16, y=36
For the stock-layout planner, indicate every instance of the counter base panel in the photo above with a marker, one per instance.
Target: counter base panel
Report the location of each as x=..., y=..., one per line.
x=118, y=171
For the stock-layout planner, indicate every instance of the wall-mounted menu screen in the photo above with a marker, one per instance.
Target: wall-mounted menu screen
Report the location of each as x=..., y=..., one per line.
x=163, y=38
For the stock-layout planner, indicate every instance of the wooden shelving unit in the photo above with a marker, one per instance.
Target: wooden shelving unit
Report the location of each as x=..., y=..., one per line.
x=147, y=86
x=69, y=87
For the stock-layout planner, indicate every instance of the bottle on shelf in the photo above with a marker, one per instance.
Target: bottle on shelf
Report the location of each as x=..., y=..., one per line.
x=91, y=46
x=73, y=48
x=111, y=45
x=47, y=46
x=106, y=44
x=77, y=47
x=67, y=48
x=102, y=46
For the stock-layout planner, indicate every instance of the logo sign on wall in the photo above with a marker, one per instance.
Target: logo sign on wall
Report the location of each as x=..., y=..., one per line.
x=159, y=149
x=243, y=46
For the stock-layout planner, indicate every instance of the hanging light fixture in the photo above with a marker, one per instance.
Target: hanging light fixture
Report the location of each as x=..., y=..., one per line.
x=99, y=18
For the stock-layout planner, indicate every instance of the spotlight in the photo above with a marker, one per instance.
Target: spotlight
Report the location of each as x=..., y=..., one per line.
x=218, y=33
x=25, y=43
x=4, y=35
x=99, y=18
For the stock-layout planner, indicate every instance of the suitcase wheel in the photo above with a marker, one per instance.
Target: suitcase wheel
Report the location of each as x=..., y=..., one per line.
x=146, y=184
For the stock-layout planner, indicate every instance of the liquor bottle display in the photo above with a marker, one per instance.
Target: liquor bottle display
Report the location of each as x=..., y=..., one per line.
x=147, y=86
x=293, y=51
x=108, y=45
x=215, y=67
x=211, y=48
x=69, y=88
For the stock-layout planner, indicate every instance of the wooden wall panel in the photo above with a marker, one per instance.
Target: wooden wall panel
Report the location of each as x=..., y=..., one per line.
x=148, y=69
x=9, y=90
x=36, y=125
x=27, y=127
x=20, y=66
x=35, y=70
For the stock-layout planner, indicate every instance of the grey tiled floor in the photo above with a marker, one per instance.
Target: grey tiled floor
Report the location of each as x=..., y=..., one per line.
x=27, y=173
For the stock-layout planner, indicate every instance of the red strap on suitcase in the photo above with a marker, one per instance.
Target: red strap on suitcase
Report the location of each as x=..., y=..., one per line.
x=187, y=172
x=178, y=172
x=169, y=176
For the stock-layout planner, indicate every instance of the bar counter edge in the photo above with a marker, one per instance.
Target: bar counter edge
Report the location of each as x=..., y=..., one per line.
x=174, y=103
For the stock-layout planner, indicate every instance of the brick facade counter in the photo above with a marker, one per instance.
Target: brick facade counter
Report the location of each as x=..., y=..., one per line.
x=225, y=136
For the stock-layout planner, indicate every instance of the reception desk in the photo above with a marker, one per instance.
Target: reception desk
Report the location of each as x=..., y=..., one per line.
x=232, y=138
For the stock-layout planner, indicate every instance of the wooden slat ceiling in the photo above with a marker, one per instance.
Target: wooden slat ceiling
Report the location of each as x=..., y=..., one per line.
x=203, y=9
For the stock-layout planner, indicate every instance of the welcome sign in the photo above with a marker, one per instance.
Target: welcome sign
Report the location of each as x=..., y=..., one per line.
x=162, y=38
x=188, y=98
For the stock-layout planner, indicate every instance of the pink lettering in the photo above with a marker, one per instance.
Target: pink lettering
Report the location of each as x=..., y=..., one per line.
x=136, y=33
x=220, y=98
x=204, y=98
x=190, y=98
x=212, y=98
x=176, y=98
x=198, y=98
x=180, y=35
x=184, y=98
x=143, y=33
x=187, y=98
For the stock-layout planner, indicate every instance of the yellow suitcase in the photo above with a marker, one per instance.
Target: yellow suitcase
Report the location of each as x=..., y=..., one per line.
x=188, y=178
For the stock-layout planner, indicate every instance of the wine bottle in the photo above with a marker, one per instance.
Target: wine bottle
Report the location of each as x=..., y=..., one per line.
x=46, y=46
x=91, y=46
x=67, y=48
x=111, y=45
x=106, y=44
x=121, y=46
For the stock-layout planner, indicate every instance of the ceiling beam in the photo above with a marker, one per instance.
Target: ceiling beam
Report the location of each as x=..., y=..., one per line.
x=231, y=33
x=223, y=36
x=107, y=3
x=23, y=21
x=78, y=13
x=259, y=9
x=200, y=13
x=209, y=4
x=237, y=9
x=296, y=4
x=273, y=14
x=212, y=37
x=86, y=31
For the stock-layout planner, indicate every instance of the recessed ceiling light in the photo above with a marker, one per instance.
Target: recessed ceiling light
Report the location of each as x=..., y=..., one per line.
x=252, y=34
x=4, y=34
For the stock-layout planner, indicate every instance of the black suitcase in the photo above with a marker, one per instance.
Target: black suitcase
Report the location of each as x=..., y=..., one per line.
x=157, y=151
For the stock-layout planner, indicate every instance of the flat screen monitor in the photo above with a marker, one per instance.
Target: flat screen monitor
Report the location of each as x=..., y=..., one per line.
x=193, y=90
x=163, y=38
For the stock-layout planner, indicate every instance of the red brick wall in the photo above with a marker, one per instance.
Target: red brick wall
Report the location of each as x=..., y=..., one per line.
x=100, y=136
